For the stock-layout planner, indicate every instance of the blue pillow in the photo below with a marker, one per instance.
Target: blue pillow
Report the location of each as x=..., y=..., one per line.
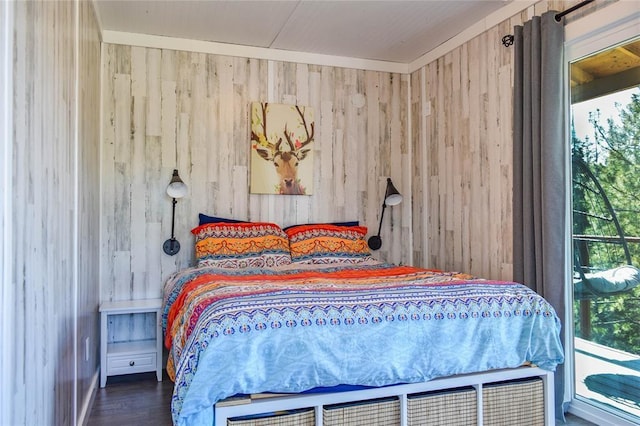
x=204, y=219
x=352, y=223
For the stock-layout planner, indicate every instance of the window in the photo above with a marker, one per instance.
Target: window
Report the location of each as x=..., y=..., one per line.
x=604, y=70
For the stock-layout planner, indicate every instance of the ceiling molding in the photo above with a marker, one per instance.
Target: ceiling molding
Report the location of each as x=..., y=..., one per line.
x=226, y=49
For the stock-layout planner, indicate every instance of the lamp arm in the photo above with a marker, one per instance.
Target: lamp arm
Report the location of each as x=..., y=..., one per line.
x=173, y=218
x=384, y=206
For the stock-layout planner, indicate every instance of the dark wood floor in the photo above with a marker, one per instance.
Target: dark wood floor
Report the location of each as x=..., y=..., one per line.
x=139, y=399
x=135, y=399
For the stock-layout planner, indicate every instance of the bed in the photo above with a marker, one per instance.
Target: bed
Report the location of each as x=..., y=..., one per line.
x=304, y=309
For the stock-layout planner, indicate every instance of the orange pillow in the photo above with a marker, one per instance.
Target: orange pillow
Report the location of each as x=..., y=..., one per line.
x=326, y=243
x=241, y=245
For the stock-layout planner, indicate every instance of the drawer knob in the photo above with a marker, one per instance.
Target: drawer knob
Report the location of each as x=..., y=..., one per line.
x=132, y=363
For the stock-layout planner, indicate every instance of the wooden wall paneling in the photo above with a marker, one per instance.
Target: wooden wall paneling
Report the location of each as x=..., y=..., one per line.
x=468, y=157
x=88, y=181
x=443, y=125
x=199, y=142
x=339, y=137
x=138, y=185
x=107, y=191
x=226, y=143
x=449, y=193
x=315, y=101
x=121, y=186
x=241, y=105
x=160, y=203
x=203, y=130
x=304, y=94
x=390, y=160
x=281, y=209
x=374, y=145
x=140, y=120
x=424, y=137
x=495, y=129
x=433, y=231
x=358, y=143
x=153, y=125
x=7, y=302
x=362, y=139
x=343, y=135
x=477, y=106
x=153, y=133
x=417, y=169
x=484, y=153
x=402, y=122
x=256, y=83
x=428, y=144
x=396, y=102
x=47, y=162
x=506, y=78
x=168, y=109
x=330, y=158
x=457, y=134
x=492, y=141
x=465, y=160
x=188, y=67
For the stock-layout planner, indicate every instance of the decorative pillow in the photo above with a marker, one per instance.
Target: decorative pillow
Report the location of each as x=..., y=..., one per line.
x=204, y=219
x=352, y=223
x=241, y=245
x=327, y=243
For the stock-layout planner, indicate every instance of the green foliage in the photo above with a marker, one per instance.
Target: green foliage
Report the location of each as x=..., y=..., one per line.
x=613, y=156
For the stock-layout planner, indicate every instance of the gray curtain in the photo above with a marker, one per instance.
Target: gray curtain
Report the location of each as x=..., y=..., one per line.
x=539, y=166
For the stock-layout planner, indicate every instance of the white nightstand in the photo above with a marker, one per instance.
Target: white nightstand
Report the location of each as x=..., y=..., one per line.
x=129, y=357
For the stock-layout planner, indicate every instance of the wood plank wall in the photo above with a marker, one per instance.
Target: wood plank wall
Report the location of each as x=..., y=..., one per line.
x=166, y=109
x=88, y=198
x=55, y=166
x=461, y=106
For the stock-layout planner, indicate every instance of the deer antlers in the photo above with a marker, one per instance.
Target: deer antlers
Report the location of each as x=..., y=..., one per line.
x=309, y=139
x=267, y=149
x=263, y=147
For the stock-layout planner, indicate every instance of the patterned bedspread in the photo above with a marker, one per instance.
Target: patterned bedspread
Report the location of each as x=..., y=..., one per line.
x=292, y=329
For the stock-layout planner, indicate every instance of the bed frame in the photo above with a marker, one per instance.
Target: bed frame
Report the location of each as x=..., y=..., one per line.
x=481, y=382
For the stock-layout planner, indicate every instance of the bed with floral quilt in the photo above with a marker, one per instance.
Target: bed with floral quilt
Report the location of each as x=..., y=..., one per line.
x=287, y=311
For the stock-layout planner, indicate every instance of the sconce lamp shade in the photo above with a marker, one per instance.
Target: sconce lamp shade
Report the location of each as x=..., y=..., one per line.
x=391, y=198
x=177, y=188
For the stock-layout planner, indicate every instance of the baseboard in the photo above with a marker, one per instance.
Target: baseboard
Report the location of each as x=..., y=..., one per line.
x=83, y=417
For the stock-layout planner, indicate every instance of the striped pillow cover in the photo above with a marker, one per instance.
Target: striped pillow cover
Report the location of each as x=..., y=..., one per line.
x=241, y=245
x=326, y=243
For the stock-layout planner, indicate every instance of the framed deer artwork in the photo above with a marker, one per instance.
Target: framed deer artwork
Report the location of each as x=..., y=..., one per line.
x=281, y=155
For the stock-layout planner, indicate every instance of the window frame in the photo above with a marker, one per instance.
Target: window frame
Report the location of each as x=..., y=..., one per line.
x=601, y=30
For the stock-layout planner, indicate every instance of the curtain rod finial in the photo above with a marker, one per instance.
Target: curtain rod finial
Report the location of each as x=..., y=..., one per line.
x=508, y=40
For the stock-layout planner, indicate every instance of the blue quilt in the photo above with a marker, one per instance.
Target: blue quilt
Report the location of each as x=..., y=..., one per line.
x=249, y=331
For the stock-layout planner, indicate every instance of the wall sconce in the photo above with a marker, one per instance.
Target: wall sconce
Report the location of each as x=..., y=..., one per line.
x=176, y=189
x=391, y=198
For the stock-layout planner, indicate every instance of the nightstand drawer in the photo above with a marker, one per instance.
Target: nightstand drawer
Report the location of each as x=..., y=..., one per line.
x=127, y=364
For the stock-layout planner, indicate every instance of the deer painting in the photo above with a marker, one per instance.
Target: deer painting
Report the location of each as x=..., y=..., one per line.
x=286, y=147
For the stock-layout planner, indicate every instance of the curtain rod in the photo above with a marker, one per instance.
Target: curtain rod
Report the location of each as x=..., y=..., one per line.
x=560, y=15
x=508, y=39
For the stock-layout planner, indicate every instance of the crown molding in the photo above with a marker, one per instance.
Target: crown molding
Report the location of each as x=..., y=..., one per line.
x=227, y=49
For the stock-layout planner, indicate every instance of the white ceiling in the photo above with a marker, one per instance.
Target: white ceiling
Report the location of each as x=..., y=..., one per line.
x=390, y=30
